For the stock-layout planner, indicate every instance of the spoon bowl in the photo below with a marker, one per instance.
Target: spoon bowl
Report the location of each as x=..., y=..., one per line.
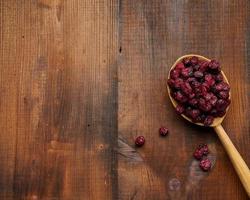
x=218, y=120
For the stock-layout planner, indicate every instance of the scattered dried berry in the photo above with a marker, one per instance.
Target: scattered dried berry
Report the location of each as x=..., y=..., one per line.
x=205, y=164
x=163, y=131
x=139, y=141
x=198, y=154
x=200, y=151
x=204, y=148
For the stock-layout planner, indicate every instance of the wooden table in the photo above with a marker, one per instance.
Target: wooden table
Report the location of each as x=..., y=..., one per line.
x=80, y=79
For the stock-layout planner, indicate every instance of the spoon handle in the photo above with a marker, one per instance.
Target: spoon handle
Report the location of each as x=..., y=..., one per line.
x=239, y=164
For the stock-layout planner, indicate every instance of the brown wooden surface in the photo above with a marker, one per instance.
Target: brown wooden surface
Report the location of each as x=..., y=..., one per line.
x=80, y=79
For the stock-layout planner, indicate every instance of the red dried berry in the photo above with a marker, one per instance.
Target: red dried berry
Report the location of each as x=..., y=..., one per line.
x=205, y=164
x=171, y=83
x=213, y=100
x=198, y=74
x=186, y=62
x=209, y=80
x=204, y=105
x=214, y=112
x=200, y=151
x=191, y=79
x=220, y=113
x=221, y=86
x=179, y=66
x=193, y=113
x=187, y=72
x=178, y=96
x=203, y=66
x=196, y=67
x=208, y=96
x=186, y=88
x=218, y=77
x=163, y=131
x=223, y=94
x=195, y=84
x=194, y=60
x=180, y=109
x=177, y=83
x=198, y=154
x=209, y=120
x=139, y=141
x=193, y=102
x=174, y=74
x=204, y=148
x=221, y=105
x=214, y=65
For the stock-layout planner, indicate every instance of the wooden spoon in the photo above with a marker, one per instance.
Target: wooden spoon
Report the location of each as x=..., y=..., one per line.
x=238, y=163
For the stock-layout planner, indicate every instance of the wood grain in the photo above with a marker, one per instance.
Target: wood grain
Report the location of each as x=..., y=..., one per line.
x=79, y=80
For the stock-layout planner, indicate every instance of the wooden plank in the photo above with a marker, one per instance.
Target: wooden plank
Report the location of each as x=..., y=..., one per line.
x=154, y=34
x=58, y=83
x=76, y=73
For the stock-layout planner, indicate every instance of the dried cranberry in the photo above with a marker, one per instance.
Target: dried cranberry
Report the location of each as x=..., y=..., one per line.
x=171, y=83
x=208, y=121
x=191, y=95
x=190, y=80
x=163, y=131
x=208, y=96
x=186, y=88
x=218, y=77
x=195, y=84
x=174, y=74
x=209, y=79
x=180, y=97
x=213, y=100
x=223, y=94
x=221, y=105
x=179, y=66
x=194, y=60
x=214, y=65
x=186, y=62
x=204, y=105
x=203, y=66
x=202, y=117
x=198, y=154
x=177, y=83
x=221, y=113
x=194, y=113
x=193, y=102
x=180, y=109
x=204, y=148
x=205, y=164
x=139, y=141
x=200, y=151
x=214, y=112
x=196, y=67
x=187, y=72
x=225, y=86
x=221, y=86
x=198, y=74
x=204, y=88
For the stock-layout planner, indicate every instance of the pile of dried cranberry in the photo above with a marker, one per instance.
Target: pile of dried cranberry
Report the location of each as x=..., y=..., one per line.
x=198, y=87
